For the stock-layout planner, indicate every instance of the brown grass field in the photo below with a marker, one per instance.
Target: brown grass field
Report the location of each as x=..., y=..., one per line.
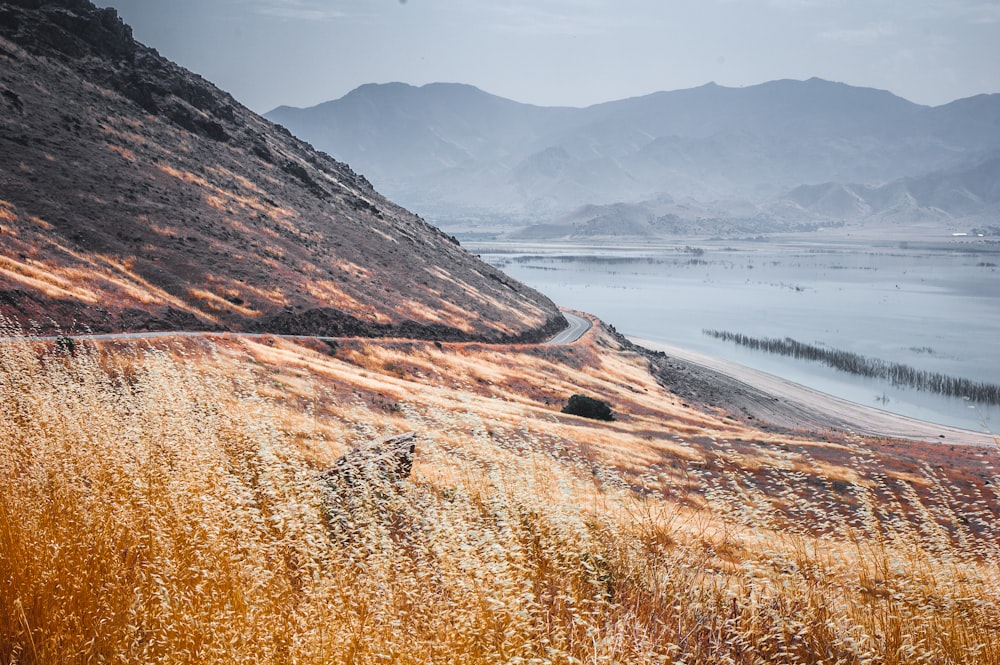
x=160, y=502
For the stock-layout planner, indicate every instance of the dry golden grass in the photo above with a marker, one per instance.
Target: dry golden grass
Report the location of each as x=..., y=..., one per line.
x=162, y=504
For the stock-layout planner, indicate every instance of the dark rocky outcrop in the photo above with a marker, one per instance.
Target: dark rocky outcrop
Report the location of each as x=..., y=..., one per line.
x=330, y=322
x=364, y=501
x=70, y=28
x=386, y=461
x=588, y=407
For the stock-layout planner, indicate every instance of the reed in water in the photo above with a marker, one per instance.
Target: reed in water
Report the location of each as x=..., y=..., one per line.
x=898, y=374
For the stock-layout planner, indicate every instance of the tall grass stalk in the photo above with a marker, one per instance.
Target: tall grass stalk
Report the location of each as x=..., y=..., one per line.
x=154, y=508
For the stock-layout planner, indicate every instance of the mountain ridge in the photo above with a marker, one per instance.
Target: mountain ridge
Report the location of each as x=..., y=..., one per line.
x=972, y=191
x=526, y=164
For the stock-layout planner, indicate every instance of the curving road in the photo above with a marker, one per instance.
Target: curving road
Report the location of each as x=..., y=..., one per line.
x=807, y=406
x=578, y=326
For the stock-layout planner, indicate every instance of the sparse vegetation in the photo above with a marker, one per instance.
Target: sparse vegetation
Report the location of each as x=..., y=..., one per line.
x=163, y=505
x=196, y=214
x=896, y=373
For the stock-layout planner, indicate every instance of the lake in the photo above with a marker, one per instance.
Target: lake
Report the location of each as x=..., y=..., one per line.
x=935, y=307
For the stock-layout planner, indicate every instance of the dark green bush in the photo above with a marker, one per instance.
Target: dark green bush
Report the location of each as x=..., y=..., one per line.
x=588, y=407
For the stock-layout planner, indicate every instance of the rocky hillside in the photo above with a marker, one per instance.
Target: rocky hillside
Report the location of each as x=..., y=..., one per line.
x=136, y=195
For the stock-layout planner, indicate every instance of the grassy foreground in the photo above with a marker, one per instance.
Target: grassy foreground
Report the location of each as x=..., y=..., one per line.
x=161, y=504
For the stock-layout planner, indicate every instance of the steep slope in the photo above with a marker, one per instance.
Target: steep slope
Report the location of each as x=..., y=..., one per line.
x=136, y=195
x=441, y=143
x=449, y=150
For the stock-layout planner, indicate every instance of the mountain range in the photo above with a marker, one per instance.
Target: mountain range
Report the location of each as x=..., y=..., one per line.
x=465, y=157
x=135, y=195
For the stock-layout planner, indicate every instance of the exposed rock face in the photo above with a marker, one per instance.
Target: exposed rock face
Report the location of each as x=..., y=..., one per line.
x=387, y=461
x=73, y=27
x=363, y=492
x=135, y=195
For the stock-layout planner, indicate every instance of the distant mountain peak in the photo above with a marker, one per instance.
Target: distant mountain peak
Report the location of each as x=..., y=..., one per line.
x=454, y=151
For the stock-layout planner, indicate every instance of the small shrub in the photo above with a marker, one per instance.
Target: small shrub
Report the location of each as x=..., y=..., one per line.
x=66, y=345
x=588, y=407
x=395, y=369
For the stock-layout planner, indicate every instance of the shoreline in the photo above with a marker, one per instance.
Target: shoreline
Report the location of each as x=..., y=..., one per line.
x=768, y=399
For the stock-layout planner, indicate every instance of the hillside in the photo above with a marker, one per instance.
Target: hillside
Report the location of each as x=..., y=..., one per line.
x=965, y=199
x=666, y=219
x=436, y=127
x=166, y=501
x=970, y=193
x=135, y=195
x=460, y=154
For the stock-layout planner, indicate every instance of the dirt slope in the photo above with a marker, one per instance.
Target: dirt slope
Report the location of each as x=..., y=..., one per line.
x=136, y=195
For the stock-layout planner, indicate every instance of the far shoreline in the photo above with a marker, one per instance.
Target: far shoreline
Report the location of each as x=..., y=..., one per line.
x=797, y=406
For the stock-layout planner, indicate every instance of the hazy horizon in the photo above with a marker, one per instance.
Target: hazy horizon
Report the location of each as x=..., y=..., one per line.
x=300, y=53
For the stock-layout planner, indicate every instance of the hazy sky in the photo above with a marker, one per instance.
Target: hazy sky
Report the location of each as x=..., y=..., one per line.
x=573, y=52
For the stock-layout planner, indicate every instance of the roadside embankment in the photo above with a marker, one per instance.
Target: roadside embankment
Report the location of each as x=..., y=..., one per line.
x=750, y=394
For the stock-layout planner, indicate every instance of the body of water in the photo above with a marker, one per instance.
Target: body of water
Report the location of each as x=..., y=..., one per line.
x=933, y=307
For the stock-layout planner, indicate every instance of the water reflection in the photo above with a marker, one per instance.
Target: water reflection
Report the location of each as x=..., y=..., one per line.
x=933, y=308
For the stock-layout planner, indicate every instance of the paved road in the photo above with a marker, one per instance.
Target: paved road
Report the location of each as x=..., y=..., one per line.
x=577, y=327
x=158, y=334
x=111, y=336
x=820, y=406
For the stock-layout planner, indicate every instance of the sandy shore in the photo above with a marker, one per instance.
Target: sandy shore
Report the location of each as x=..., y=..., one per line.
x=768, y=399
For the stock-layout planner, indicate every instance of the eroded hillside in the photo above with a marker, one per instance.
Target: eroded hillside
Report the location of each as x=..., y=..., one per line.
x=135, y=195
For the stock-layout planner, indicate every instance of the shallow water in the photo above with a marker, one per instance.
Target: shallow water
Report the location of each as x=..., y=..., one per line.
x=935, y=308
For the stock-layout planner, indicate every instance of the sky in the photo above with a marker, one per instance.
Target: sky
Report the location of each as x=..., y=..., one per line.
x=572, y=52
